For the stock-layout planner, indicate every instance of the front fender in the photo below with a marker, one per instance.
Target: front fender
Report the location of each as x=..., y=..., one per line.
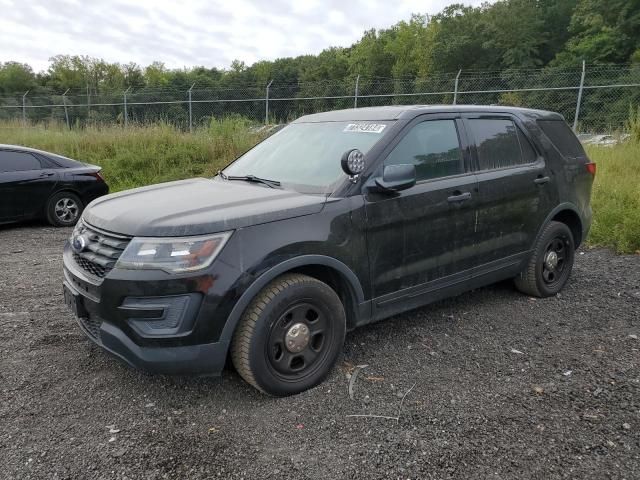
x=286, y=266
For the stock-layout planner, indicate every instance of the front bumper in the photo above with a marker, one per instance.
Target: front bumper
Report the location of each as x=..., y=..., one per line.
x=112, y=312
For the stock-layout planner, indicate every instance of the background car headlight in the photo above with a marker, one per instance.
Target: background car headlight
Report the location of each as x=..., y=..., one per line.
x=172, y=254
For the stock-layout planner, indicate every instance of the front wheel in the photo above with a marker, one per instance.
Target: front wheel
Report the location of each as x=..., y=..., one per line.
x=290, y=335
x=550, y=264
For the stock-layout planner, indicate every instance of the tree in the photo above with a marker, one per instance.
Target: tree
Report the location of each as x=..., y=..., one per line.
x=16, y=77
x=603, y=32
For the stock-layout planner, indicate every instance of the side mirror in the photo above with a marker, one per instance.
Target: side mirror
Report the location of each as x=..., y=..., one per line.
x=397, y=177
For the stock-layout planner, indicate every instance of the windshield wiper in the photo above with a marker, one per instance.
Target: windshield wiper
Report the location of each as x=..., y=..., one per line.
x=251, y=178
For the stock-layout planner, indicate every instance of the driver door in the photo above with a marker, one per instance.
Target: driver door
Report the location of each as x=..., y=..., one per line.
x=420, y=240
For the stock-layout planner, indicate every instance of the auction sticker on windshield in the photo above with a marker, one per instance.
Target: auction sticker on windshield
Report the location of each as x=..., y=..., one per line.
x=365, y=127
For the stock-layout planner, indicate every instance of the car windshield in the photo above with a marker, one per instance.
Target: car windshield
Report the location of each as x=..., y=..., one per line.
x=306, y=156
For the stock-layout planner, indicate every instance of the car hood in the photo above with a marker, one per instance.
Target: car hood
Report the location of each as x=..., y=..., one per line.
x=196, y=206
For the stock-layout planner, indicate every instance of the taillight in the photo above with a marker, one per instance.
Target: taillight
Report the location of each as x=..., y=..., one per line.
x=98, y=176
x=591, y=168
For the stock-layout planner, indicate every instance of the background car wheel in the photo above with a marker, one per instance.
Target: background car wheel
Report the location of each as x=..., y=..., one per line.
x=64, y=209
x=550, y=265
x=290, y=335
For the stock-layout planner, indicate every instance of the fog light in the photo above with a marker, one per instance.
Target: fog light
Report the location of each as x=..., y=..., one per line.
x=161, y=316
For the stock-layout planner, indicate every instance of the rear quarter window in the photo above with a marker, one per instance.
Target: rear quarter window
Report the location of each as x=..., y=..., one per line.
x=64, y=161
x=562, y=138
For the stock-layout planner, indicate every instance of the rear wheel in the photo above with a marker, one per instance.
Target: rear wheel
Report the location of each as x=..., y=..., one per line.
x=550, y=264
x=64, y=209
x=290, y=335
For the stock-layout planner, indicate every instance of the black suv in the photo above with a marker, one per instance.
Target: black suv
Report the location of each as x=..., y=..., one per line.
x=340, y=219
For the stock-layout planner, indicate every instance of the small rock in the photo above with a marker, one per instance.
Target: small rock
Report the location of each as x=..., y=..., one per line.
x=518, y=352
x=114, y=430
x=610, y=443
x=567, y=373
x=626, y=426
x=366, y=399
x=634, y=337
x=112, y=439
x=120, y=452
x=150, y=405
x=538, y=389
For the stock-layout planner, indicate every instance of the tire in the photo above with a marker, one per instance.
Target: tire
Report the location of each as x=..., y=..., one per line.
x=64, y=209
x=541, y=278
x=265, y=348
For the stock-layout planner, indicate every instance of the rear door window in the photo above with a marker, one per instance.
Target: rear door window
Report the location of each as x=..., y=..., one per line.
x=529, y=155
x=500, y=143
x=433, y=147
x=11, y=161
x=562, y=137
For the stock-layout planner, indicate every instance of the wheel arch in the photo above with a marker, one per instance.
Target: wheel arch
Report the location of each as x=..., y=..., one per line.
x=568, y=214
x=572, y=220
x=326, y=269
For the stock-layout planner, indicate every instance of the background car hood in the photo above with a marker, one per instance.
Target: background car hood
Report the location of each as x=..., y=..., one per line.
x=196, y=206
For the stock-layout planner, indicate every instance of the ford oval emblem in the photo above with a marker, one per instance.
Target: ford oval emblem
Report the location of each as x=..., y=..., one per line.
x=78, y=243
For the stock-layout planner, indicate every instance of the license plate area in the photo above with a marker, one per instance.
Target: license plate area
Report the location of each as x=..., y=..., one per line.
x=75, y=303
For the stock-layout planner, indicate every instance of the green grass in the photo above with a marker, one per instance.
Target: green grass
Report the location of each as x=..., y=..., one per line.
x=151, y=154
x=616, y=197
x=141, y=155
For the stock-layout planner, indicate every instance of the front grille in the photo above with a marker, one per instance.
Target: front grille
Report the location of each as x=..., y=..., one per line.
x=92, y=268
x=101, y=251
x=92, y=326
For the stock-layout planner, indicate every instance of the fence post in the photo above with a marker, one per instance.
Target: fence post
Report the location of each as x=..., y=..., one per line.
x=126, y=117
x=575, y=119
x=266, y=104
x=24, y=109
x=355, y=96
x=455, y=88
x=88, y=104
x=191, y=110
x=64, y=103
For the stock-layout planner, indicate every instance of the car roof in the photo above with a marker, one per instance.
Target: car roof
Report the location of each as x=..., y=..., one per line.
x=4, y=146
x=60, y=160
x=396, y=112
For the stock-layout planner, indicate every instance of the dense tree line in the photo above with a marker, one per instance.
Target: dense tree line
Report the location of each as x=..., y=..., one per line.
x=505, y=36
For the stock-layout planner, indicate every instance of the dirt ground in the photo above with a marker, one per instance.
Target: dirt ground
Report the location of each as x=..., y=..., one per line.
x=495, y=385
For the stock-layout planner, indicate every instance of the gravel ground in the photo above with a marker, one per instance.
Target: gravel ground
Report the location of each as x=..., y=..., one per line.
x=495, y=385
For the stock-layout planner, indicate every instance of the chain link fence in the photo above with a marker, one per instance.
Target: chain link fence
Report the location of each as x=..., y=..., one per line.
x=594, y=99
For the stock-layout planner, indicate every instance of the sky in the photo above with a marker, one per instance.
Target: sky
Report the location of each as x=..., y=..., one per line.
x=190, y=33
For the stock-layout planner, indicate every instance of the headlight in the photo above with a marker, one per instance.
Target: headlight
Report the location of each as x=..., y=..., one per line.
x=172, y=254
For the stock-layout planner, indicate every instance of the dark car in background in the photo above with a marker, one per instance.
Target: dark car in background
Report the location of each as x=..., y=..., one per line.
x=37, y=184
x=340, y=219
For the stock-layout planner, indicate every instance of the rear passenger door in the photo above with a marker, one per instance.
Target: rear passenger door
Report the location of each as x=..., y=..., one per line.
x=515, y=191
x=24, y=184
x=420, y=240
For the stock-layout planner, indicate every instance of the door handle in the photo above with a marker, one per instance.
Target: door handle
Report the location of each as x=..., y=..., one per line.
x=459, y=197
x=541, y=180
x=46, y=174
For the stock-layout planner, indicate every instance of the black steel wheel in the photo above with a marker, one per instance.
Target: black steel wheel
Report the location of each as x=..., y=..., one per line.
x=297, y=339
x=550, y=264
x=290, y=335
